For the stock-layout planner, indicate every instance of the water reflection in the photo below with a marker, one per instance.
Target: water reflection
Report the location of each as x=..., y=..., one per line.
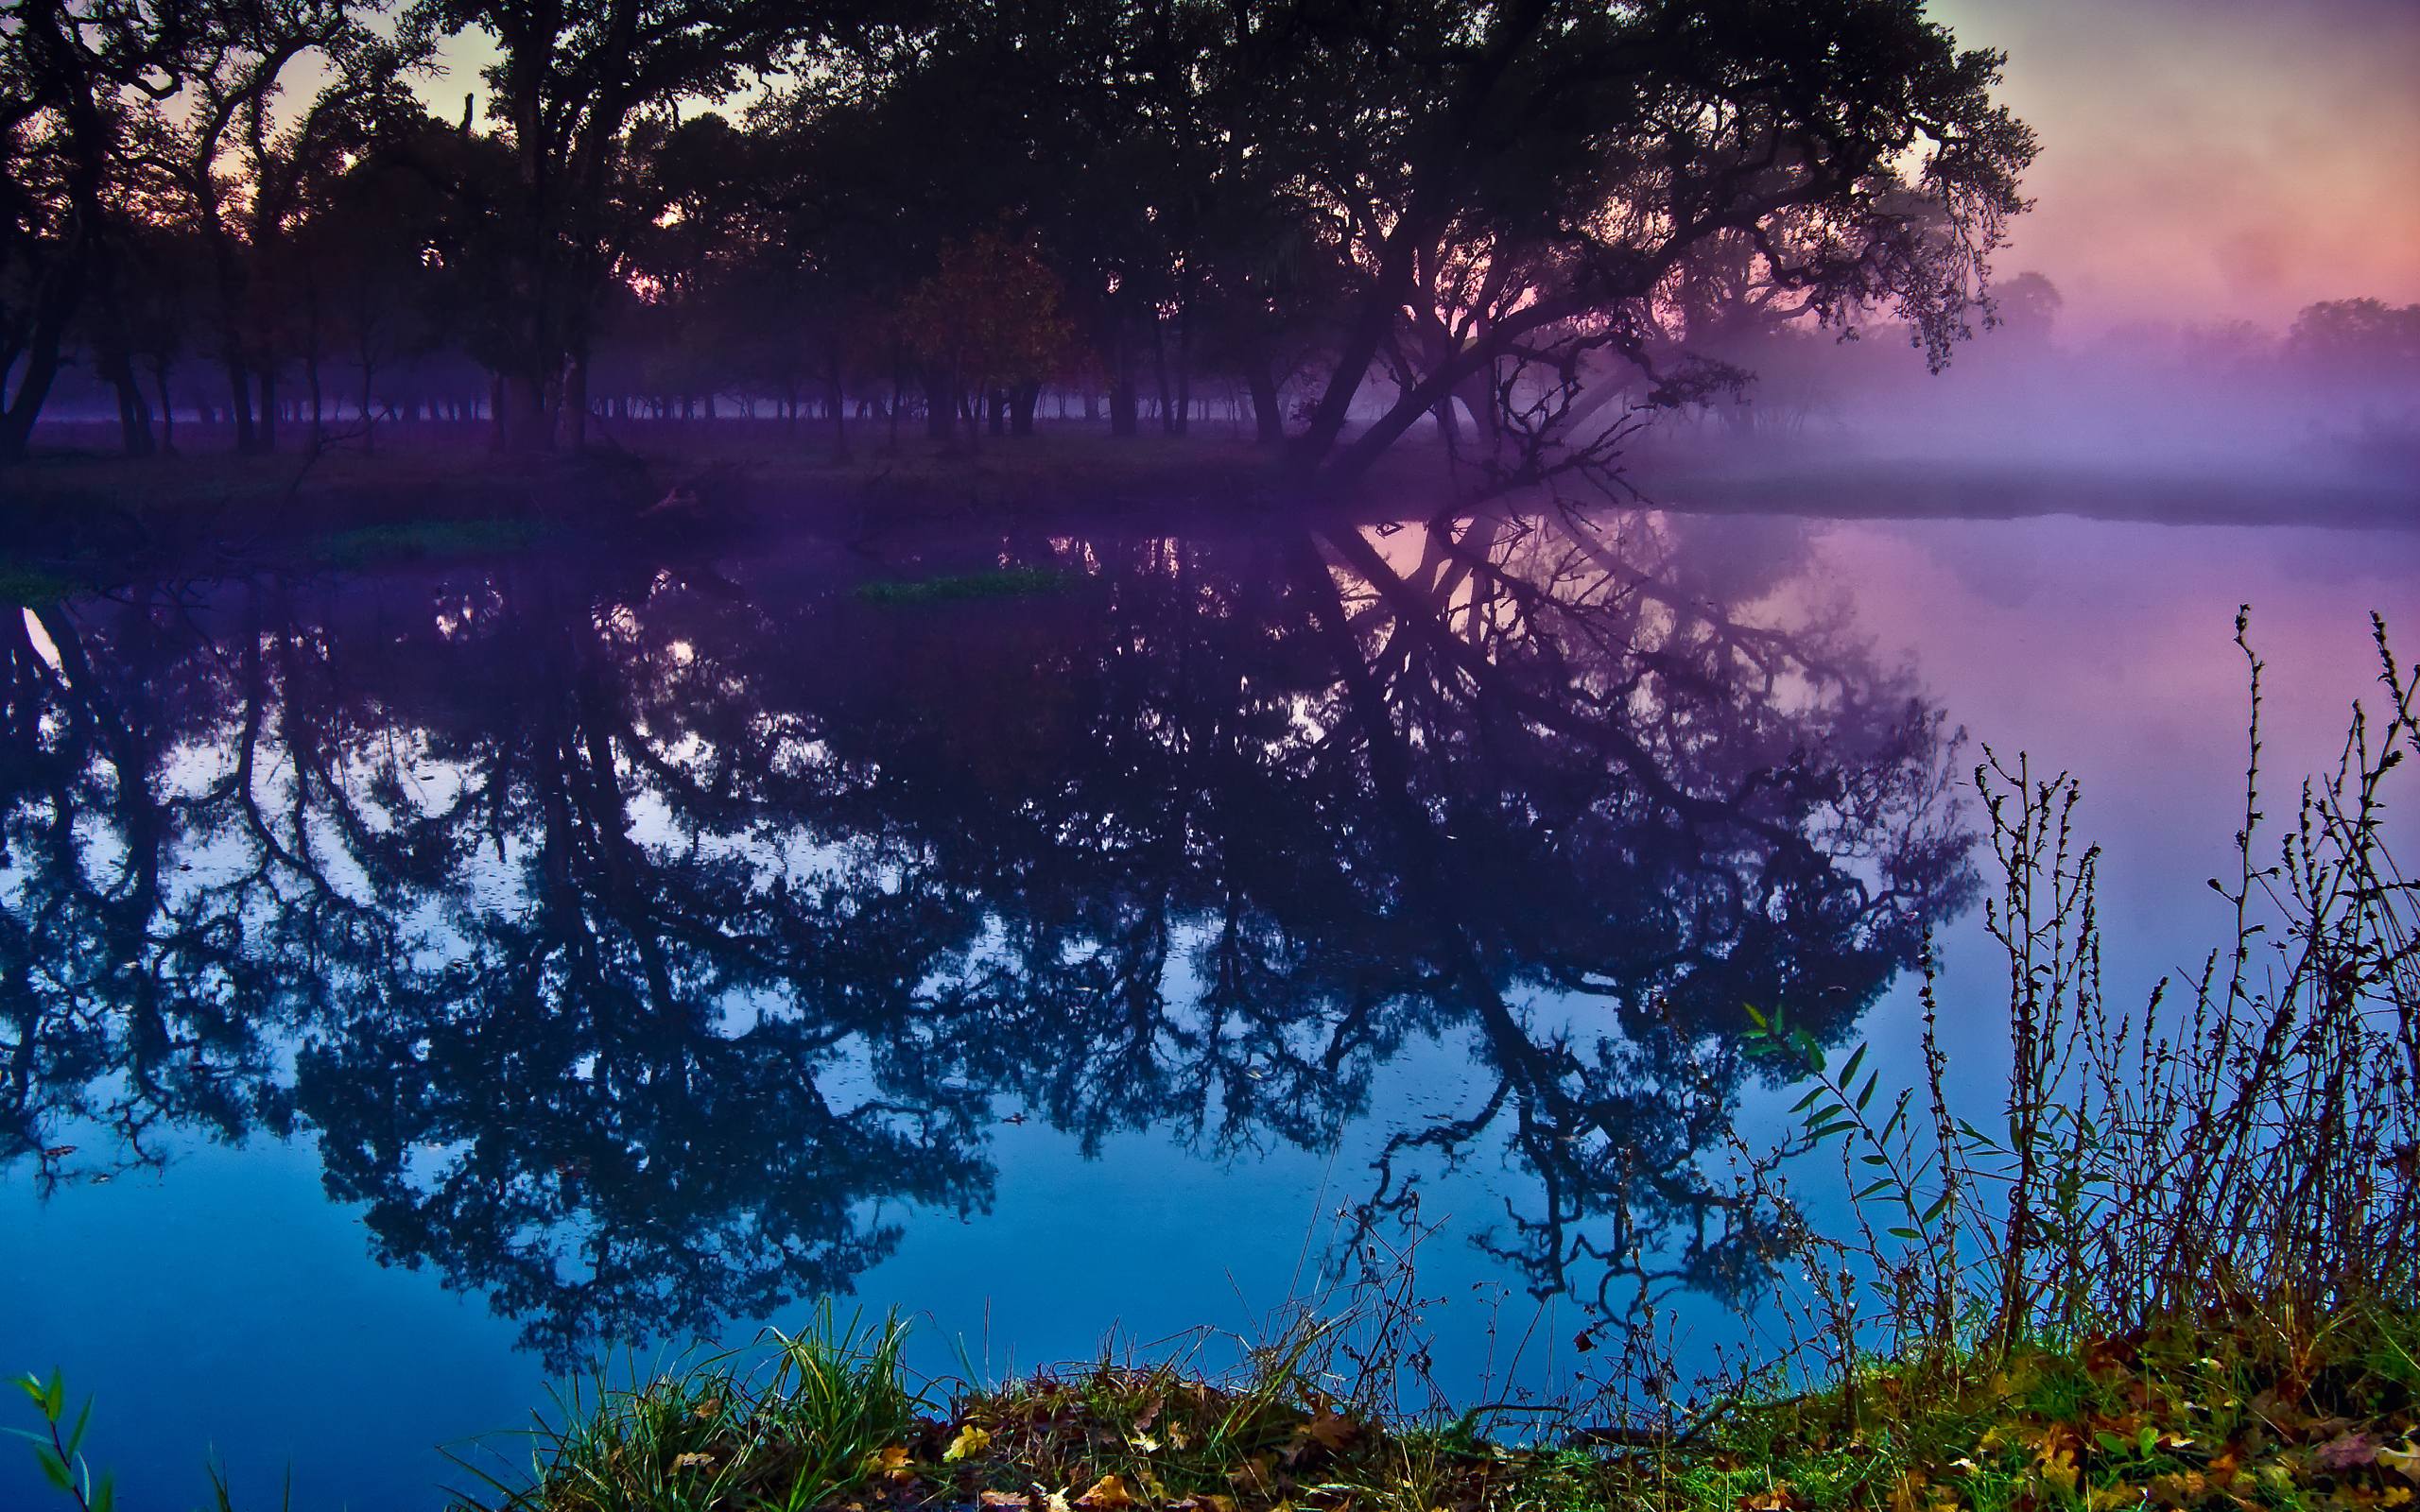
x=647, y=947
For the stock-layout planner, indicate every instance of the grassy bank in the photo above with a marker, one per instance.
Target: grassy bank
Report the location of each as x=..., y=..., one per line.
x=88, y=499
x=2231, y=1409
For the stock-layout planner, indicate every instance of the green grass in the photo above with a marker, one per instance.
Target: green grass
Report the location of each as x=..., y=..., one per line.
x=2231, y=1412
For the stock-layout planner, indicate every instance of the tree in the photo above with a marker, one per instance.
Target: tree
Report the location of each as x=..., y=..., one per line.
x=2360, y=343
x=244, y=219
x=71, y=74
x=567, y=83
x=986, y=321
x=1527, y=176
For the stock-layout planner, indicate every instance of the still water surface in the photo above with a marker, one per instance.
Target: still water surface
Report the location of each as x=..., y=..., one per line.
x=416, y=979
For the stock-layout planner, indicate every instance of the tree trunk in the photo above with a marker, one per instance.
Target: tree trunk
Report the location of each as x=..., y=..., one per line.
x=1183, y=376
x=133, y=414
x=1123, y=417
x=941, y=404
x=571, y=410
x=168, y=412
x=51, y=318
x=1267, y=422
x=521, y=424
x=265, y=427
x=839, y=404
x=1022, y=400
x=1160, y=374
x=239, y=393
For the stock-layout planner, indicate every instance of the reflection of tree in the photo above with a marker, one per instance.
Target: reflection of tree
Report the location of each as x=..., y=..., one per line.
x=1678, y=813
x=636, y=947
x=127, y=996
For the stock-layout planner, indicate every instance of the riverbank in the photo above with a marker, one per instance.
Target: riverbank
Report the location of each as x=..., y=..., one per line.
x=68, y=505
x=2236, y=1408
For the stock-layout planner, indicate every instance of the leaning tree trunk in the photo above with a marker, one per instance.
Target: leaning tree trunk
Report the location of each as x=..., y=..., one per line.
x=55, y=307
x=133, y=412
x=1268, y=423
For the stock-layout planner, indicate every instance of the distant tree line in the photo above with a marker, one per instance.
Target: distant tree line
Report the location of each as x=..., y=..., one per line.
x=1516, y=220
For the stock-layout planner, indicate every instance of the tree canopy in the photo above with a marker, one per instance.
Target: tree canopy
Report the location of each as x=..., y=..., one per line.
x=1490, y=214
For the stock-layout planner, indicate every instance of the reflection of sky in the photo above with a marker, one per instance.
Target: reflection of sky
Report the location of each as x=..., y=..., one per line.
x=227, y=1301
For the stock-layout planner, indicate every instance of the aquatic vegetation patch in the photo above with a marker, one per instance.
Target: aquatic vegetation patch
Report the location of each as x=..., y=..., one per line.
x=420, y=539
x=1004, y=582
x=31, y=587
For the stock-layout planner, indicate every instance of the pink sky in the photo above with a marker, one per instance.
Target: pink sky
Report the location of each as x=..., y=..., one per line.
x=2213, y=159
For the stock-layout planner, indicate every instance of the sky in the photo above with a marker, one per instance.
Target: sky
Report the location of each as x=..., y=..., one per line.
x=2212, y=160
x=2202, y=161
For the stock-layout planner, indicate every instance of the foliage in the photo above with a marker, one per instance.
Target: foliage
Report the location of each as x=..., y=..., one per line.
x=1496, y=205
x=793, y=1433
x=2253, y=1150
x=60, y=1452
x=989, y=315
x=2221, y=1410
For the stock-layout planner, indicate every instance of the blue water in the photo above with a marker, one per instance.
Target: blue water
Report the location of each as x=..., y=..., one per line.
x=431, y=976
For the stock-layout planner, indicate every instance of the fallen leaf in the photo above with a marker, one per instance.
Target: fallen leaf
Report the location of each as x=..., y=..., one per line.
x=1108, y=1493
x=2058, y=1471
x=1331, y=1429
x=891, y=1462
x=2403, y=1459
x=2347, y=1452
x=969, y=1440
x=1004, y=1499
x=693, y=1462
